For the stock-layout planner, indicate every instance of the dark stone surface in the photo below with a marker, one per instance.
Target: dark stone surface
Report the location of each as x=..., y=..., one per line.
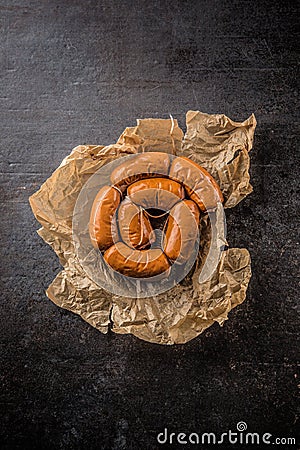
x=75, y=72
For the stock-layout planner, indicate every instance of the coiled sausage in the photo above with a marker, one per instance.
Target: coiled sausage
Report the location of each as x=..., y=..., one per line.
x=125, y=236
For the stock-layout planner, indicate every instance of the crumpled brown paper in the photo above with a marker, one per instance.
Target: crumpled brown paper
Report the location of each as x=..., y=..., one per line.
x=215, y=142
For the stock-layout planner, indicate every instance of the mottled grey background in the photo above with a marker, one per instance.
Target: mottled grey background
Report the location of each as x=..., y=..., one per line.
x=75, y=72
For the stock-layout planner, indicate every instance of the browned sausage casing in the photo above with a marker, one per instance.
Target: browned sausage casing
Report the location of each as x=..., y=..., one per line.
x=134, y=226
x=181, y=231
x=202, y=187
x=102, y=225
x=159, y=193
x=143, y=165
x=136, y=263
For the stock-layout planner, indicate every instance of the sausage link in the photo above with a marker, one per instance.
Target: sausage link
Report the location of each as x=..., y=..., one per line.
x=181, y=231
x=136, y=263
x=199, y=184
x=143, y=165
x=135, y=228
x=102, y=225
x=158, y=193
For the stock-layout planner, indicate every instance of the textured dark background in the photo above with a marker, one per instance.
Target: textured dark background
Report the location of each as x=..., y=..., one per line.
x=75, y=72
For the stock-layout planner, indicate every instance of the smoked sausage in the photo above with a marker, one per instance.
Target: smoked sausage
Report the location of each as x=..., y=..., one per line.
x=136, y=263
x=200, y=186
x=181, y=231
x=143, y=165
x=158, y=193
x=134, y=226
x=102, y=224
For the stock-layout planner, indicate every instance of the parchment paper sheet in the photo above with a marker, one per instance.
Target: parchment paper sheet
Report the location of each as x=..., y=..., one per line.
x=215, y=142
